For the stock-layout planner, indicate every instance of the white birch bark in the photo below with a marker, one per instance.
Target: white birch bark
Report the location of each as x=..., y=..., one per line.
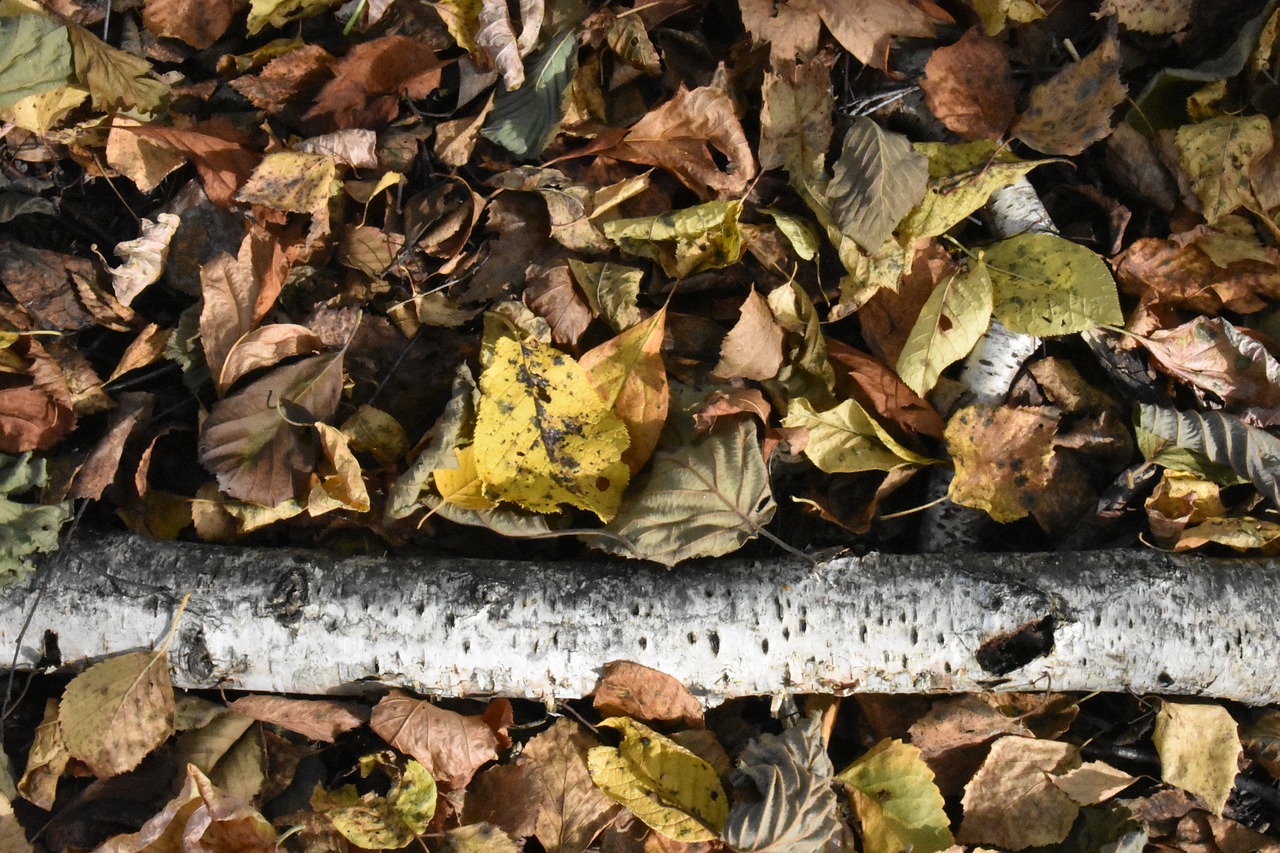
x=306, y=622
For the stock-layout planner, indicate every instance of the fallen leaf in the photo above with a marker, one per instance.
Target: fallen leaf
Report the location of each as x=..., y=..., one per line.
x=46, y=761
x=753, y=347
x=495, y=34
x=477, y=838
x=317, y=719
x=611, y=289
x=217, y=151
x=263, y=347
x=665, y=785
x=737, y=401
x=287, y=80
x=369, y=82
x=876, y=180
x=142, y=161
x=223, y=750
x=1199, y=750
x=280, y=13
x=633, y=690
x=36, y=406
x=549, y=293
x=1045, y=285
x=450, y=746
x=35, y=57
x=356, y=148
x=116, y=80
x=892, y=791
x=795, y=121
x=846, y=439
x=951, y=322
x=685, y=242
x=969, y=86
x=1162, y=272
x=1217, y=156
x=116, y=712
x=461, y=486
x=1093, y=782
x=524, y=120
x=29, y=528
x=628, y=374
x=880, y=392
x=700, y=500
x=195, y=22
x=1072, y=110
x=1158, y=17
x=571, y=809
x=144, y=257
x=100, y=467
x=373, y=822
x=1002, y=458
x=509, y=796
x=1012, y=802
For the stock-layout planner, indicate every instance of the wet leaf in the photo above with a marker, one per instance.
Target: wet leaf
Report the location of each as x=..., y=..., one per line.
x=700, y=500
x=1012, y=802
x=644, y=694
x=955, y=317
x=450, y=746
x=1002, y=457
x=628, y=374
x=896, y=801
x=115, y=712
x=876, y=180
x=571, y=809
x=1046, y=285
x=524, y=120
x=1199, y=750
x=35, y=57
x=1217, y=155
x=672, y=790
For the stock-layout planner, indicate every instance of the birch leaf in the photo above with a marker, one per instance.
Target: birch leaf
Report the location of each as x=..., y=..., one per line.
x=666, y=786
x=687, y=241
x=846, y=439
x=1199, y=749
x=543, y=435
x=699, y=500
x=1045, y=285
x=1002, y=457
x=144, y=257
x=1011, y=801
x=1251, y=452
x=897, y=802
x=1218, y=155
x=524, y=120
x=956, y=315
x=878, y=178
x=115, y=712
x=1072, y=110
x=571, y=810
x=461, y=486
x=628, y=374
x=35, y=56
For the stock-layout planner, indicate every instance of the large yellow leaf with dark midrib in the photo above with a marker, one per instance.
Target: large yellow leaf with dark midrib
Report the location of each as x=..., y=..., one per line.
x=1046, y=285
x=699, y=500
x=671, y=790
x=955, y=316
x=630, y=377
x=253, y=439
x=117, y=711
x=897, y=802
x=543, y=436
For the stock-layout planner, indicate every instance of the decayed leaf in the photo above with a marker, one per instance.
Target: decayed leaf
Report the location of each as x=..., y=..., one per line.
x=688, y=241
x=117, y=711
x=1159, y=17
x=955, y=317
x=1046, y=285
x=876, y=180
x=370, y=81
x=144, y=257
x=1163, y=272
x=571, y=809
x=452, y=747
x=199, y=23
x=1250, y=452
x=753, y=347
x=35, y=57
x=254, y=446
x=524, y=120
x=700, y=500
x=477, y=838
x=1217, y=156
x=896, y=801
x=544, y=436
x=1072, y=110
x=969, y=86
x=297, y=182
x=1011, y=801
x=665, y=785
x=200, y=817
x=678, y=136
x=46, y=760
x=636, y=691
x=846, y=439
x=1199, y=750
x=611, y=289
x=1002, y=458
x=117, y=80
x=795, y=121
x=372, y=822
x=628, y=374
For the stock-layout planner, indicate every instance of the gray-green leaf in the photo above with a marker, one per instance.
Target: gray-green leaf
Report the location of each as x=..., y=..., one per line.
x=1249, y=451
x=35, y=56
x=524, y=120
x=877, y=180
x=25, y=529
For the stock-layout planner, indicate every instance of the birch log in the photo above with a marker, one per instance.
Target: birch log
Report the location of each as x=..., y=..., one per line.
x=307, y=622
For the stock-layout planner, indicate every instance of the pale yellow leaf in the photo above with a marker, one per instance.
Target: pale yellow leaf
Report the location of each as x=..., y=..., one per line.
x=116, y=712
x=1199, y=750
x=1046, y=285
x=955, y=316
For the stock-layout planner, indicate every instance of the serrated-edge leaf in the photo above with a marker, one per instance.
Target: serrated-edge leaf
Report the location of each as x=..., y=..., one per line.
x=116, y=712
x=1046, y=285
x=877, y=180
x=897, y=801
x=524, y=120
x=964, y=301
x=702, y=500
x=1199, y=748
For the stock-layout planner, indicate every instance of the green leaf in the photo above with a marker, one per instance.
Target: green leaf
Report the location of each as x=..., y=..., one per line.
x=524, y=120
x=1046, y=285
x=802, y=235
x=1199, y=749
x=1251, y=452
x=692, y=240
x=1218, y=156
x=955, y=316
x=878, y=178
x=117, y=80
x=896, y=800
x=846, y=439
x=698, y=500
x=28, y=529
x=35, y=56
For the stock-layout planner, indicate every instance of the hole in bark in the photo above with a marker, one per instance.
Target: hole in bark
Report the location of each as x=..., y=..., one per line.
x=941, y=639
x=422, y=608
x=466, y=647
x=1001, y=654
x=995, y=603
x=862, y=633
x=764, y=645
x=804, y=625
x=946, y=667
x=50, y=654
x=777, y=606
x=635, y=610
x=714, y=639
x=1164, y=679
x=709, y=592
x=786, y=633
x=693, y=639
x=915, y=636
x=644, y=643
x=196, y=658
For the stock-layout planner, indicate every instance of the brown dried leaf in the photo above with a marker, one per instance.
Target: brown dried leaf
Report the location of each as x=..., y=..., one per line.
x=628, y=373
x=99, y=470
x=42, y=282
x=1072, y=110
x=496, y=35
x=199, y=23
x=795, y=121
x=550, y=293
x=263, y=347
x=969, y=86
x=879, y=389
x=216, y=148
x=866, y=27
x=737, y=401
x=629, y=689
x=572, y=810
x=234, y=289
x=953, y=735
x=1163, y=273
x=452, y=747
x=36, y=406
x=791, y=27
x=318, y=719
x=1012, y=802
x=287, y=80
x=753, y=347
x=369, y=81
x=46, y=760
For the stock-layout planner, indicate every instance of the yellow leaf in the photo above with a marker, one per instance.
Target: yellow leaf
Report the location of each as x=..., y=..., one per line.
x=543, y=436
x=1046, y=285
x=461, y=486
x=278, y=13
x=372, y=822
x=294, y=181
x=41, y=112
x=117, y=711
x=628, y=374
x=994, y=14
x=1218, y=155
x=341, y=486
x=45, y=761
x=1199, y=749
x=611, y=291
x=688, y=241
x=955, y=316
x=666, y=786
x=1002, y=458
x=846, y=439
x=896, y=800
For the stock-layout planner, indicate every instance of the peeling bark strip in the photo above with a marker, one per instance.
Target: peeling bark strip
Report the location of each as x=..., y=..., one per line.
x=290, y=621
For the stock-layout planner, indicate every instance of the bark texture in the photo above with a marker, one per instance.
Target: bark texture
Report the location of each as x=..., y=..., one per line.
x=306, y=622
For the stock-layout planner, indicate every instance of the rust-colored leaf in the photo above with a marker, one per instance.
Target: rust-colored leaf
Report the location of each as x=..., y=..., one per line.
x=449, y=744
x=969, y=86
x=629, y=689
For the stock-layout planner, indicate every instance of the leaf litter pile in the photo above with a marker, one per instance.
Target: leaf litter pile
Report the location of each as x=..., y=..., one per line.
x=657, y=280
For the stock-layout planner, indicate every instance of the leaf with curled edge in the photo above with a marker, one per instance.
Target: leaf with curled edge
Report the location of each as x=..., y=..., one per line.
x=1251, y=452
x=700, y=500
x=257, y=450
x=524, y=120
x=798, y=808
